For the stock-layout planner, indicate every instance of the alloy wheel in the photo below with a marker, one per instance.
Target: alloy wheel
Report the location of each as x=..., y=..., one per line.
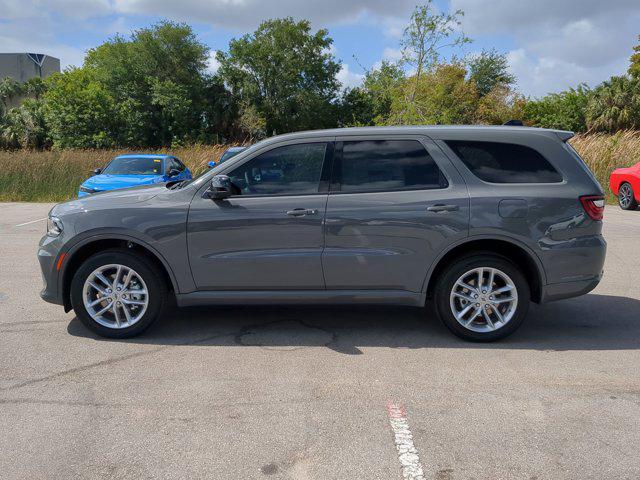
x=625, y=196
x=115, y=296
x=484, y=299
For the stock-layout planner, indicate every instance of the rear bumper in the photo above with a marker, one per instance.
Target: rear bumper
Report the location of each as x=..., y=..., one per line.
x=559, y=291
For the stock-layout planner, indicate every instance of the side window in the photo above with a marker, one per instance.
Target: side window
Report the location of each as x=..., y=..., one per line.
x=172, y=164
x=505, y=162
x=378, y=165
x=179, y=165
x=288, y=170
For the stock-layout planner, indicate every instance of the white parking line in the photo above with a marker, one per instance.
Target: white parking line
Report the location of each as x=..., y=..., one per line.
x=28, y=223
x=407, y=452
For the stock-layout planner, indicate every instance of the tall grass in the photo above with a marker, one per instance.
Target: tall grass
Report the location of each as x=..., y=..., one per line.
x=52, y=176
x=603, y=153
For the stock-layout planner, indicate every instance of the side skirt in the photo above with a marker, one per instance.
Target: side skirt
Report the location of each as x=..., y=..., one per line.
x=301, y=297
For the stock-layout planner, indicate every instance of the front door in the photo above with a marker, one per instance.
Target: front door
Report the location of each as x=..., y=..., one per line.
x=395, y=204
x=269, y=235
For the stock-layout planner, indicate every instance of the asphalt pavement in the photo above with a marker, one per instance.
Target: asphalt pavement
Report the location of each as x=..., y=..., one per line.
x=319, y=393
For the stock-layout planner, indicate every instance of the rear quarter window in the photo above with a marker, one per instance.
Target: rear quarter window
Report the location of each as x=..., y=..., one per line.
x=504, y=162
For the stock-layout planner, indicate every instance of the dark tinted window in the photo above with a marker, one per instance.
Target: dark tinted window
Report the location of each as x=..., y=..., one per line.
x=134, y=166
x=387, y=165
x=174, y=164
x=289, y=170
x=505, y=162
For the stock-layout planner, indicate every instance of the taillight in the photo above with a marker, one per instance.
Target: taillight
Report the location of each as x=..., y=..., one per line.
x=593, y=205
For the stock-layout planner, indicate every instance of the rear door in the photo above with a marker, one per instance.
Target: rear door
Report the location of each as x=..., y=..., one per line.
x=395, y=203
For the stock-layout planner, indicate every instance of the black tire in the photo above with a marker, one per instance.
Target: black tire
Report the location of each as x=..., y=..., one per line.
x=630, y=204
x=455, y=270
x=152, y=277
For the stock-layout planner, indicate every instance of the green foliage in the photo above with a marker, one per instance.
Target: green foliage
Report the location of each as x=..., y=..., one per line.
x=565, y=110
x=286, y=73
x=157, y=79
x=370, y=104
x=446, y=95
x=24, y=126
x=634, y=68
x=489, y=70
x=79, y=110
x=615, y=105
x=427, y=34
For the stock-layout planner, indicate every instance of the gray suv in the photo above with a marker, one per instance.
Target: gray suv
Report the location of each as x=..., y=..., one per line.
x=479, y=220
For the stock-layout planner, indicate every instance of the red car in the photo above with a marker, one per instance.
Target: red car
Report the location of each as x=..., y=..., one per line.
x=625, y=183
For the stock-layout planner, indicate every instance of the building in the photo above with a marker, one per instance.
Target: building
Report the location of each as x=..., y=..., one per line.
x=23, y=66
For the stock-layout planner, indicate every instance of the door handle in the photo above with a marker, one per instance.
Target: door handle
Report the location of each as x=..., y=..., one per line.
x=301, y=212
x=443, y=208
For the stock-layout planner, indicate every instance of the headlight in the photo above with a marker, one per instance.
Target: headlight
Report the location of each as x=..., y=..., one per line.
x=88, y=190
x=54, y=226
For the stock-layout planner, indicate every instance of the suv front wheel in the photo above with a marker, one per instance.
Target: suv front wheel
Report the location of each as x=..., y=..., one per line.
x=118, y=294
x=482, y=297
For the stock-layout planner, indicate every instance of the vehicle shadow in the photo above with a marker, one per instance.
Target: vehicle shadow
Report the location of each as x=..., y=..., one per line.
x=591, y=322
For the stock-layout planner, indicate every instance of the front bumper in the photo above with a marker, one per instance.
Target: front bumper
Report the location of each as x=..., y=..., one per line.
x=48, y=255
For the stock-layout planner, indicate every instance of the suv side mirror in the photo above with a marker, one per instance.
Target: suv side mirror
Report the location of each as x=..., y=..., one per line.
x=97, y=171
x=220, y=188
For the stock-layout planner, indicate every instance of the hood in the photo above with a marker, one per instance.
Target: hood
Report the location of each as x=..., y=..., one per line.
x=111, y=182
x=110, y=199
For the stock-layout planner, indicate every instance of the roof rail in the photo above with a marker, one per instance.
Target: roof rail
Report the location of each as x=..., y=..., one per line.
x=514, y=123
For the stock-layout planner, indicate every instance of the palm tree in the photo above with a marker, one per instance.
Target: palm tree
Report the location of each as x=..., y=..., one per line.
x=615, y=105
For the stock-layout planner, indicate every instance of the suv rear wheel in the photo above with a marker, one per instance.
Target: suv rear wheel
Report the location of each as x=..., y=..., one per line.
x=117, y=294
x=626, y=197
x=482, y=297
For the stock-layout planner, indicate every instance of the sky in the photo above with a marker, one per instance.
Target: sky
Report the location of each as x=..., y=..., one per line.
x=551, y=45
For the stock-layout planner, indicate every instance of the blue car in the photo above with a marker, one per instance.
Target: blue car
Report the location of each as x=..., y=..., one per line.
x=132, y=170
x=229, y=152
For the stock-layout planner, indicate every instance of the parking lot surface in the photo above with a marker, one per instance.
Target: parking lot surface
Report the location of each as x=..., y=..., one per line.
x=319, y=393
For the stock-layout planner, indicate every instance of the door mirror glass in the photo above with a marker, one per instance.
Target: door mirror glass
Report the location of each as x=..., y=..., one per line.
x=220, y=188
x=97, y=171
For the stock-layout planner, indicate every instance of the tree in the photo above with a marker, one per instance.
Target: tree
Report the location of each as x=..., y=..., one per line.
x=24, y=126
x=9, y=88
x=286, y=73
x=158, y=80
x=79, y=111
x=426, y=36
x=370, y=104
x=490, y=69
x=565, y=110
x=444, y=95
x=634, y=68
x=615, y=105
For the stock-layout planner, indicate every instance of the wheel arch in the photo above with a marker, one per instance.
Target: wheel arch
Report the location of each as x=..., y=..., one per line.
x=89, y=246
x=519, y=254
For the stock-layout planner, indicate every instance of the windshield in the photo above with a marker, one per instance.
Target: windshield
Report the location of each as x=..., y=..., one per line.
x=230, y=153
x=134, y=166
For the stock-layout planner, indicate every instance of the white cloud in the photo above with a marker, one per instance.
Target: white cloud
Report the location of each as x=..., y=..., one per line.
x=538, y=76
x=213, y=63
x=349, y=79
x=243, y=14
x=558, y=43
x=76, y=9
x=36, y=36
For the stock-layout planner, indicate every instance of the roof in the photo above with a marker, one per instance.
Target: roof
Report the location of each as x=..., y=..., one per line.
x=145, y=155
x=235, y=149
x=435, y=130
